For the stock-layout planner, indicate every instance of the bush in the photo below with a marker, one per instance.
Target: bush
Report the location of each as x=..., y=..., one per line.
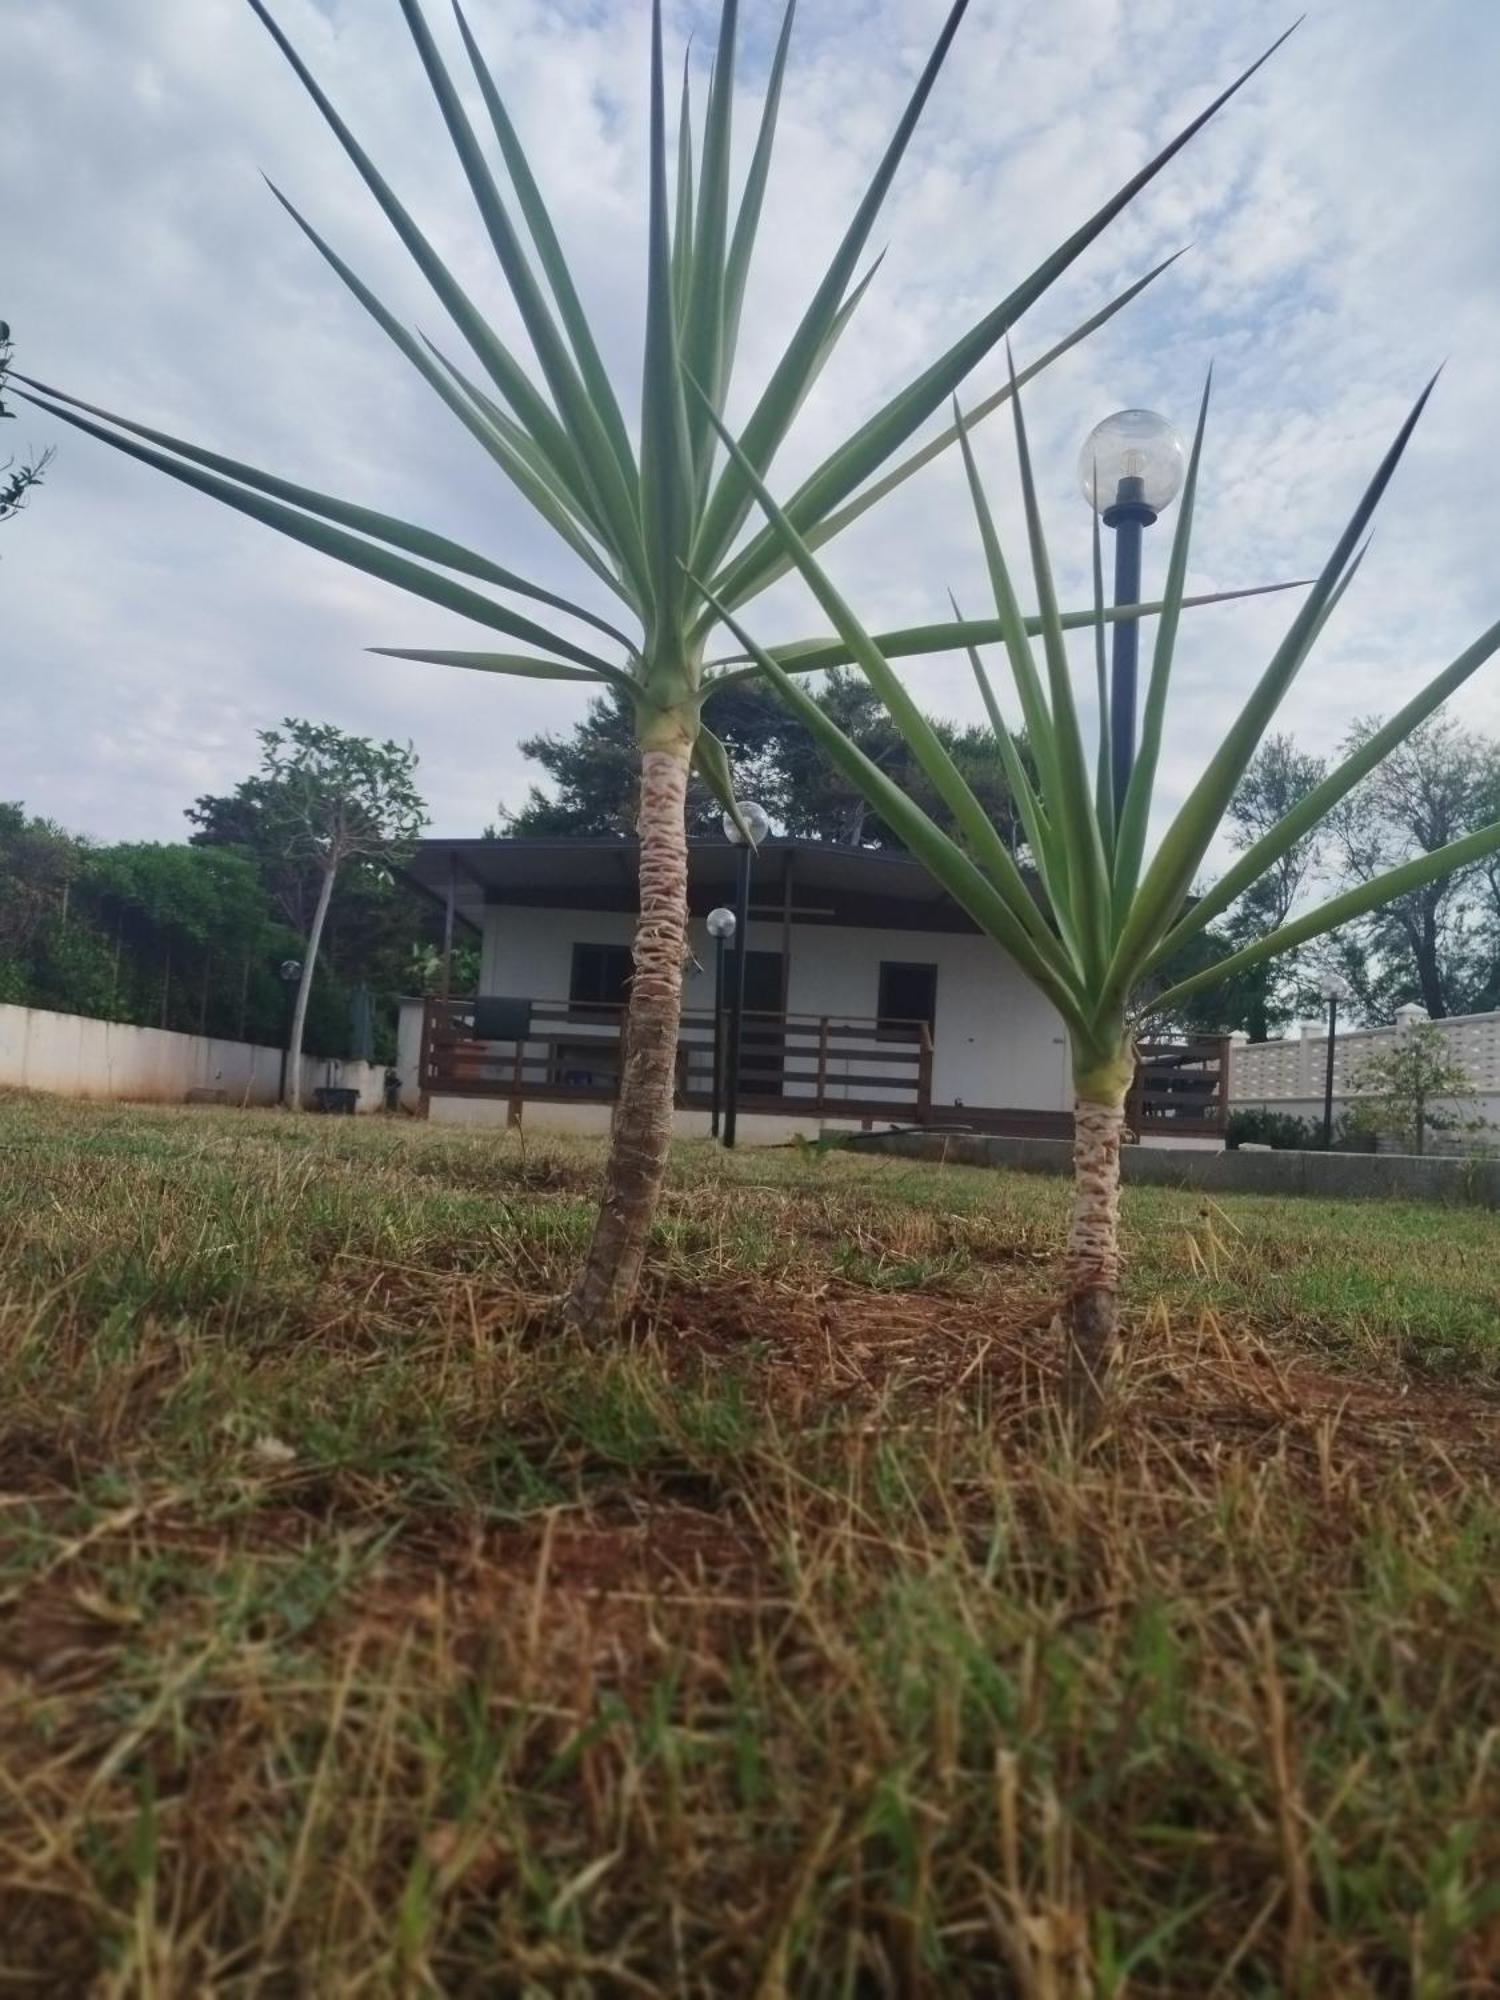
x=1272, y=1128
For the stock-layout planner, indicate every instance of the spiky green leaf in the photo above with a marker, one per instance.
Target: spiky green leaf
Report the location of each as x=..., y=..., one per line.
x=315, y=534
x=1340, y=910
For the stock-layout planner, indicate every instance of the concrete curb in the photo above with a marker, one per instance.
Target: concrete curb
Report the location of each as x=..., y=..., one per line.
x=1472, y=1183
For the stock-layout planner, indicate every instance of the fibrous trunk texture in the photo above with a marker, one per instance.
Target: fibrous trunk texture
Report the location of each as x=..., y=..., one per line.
x=292, y=1096
x=1093, y=1264
x=641, y=1133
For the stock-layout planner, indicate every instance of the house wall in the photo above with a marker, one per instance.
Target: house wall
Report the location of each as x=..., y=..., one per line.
x=73, y=1055
x=997, y=1043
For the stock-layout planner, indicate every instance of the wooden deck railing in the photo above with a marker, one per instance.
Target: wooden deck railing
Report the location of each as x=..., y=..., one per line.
x=1181, y=1088
x=797, y=1065
x=809, y=1065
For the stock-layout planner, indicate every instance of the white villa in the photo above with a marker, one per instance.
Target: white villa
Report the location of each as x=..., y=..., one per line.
x=871, y=999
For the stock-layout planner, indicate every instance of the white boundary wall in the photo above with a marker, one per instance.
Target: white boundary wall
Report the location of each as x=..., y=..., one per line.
x=1289, y=1075
x=73, y=1055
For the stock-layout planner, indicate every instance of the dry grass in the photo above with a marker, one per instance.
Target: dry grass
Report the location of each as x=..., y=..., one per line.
x=360, y=1635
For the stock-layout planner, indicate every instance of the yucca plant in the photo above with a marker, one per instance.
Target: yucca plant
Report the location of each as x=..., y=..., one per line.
x=644, y=514
x=1099, y=926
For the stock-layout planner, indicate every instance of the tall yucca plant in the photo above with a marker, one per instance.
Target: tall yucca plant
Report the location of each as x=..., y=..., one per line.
x=644, y=515
x=1101, y=924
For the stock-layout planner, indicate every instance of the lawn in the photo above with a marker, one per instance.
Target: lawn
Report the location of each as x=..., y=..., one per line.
x=360, y=1634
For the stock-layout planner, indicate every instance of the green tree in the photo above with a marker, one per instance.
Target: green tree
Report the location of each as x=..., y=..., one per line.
x=1409, y=1089
x=1265, y=996
x=1111, y=918
x=178, y=937
x=375, y=924
x=655, y=518
x=39, y=863
x=594, y=769
x=1426, y=945
x=335, y=802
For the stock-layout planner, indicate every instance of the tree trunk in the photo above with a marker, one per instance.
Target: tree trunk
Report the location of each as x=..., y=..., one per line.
x=641, y=1133
x=1093, y=1259
x=293, y=1096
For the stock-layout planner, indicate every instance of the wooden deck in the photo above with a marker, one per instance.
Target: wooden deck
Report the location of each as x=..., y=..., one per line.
x=817, y=1067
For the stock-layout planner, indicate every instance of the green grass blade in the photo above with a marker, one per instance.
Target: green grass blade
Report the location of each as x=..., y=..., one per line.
x=1073, y=807
x=666, y=451
x=1034, y=710
x=703, y=332
x=509, y=377
x=1039, y=834
x=875, y=441
x=682, y=230
x=416, y=541
x=1135, y=812
x=316, y=534
x=497, y=432
x=1312, y=810
x=1104, y=779
x=711, y=761
x=761, y=562
x=1159, y=900
x=981, y=837
x=549, y=252
x=519, y=664
x=812, y=656
x=1357, y=902
x=752, y=200
x=606, y=460
x=944, y=859
x=729, y=506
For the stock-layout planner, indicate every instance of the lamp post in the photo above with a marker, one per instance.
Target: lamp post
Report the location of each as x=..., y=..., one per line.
x=1333, y=989
x=759, y=824
x=1130, y=468
x=291, y=972
x=721, y=928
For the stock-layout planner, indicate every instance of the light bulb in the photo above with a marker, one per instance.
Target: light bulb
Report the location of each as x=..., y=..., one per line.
x=1133, y=458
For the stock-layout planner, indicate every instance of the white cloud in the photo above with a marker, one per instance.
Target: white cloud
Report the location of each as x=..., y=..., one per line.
x=1345, y=242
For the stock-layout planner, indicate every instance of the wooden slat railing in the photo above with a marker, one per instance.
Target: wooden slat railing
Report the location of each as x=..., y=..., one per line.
x=810, y=1065
x=1181, y=1087
x=806, y=1065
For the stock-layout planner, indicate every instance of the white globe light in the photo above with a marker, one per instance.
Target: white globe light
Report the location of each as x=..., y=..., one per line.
x=721, y=923
x=755, y=817
x=1133, y=458
x=1336, y=987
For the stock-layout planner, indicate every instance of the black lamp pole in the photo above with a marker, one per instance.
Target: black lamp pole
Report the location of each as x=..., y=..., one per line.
x=291, y=973
x=1129, y=516
x=746, y=860
x=721, y=928
x=1333, y=1025
x=713, y=1123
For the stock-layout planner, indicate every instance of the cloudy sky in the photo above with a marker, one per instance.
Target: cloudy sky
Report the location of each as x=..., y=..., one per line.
x=1346, y=240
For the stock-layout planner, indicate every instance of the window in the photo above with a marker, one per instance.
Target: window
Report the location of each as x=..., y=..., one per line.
x=600, y=975
x=907, y=992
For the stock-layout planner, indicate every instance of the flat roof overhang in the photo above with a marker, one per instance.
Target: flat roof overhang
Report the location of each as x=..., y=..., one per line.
x=801, y=881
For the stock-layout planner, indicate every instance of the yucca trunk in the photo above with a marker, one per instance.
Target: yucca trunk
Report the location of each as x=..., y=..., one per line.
x=1093, y=1260
x=641, y=1132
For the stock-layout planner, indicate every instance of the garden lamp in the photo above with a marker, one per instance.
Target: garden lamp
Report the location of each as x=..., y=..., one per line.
x=1130, y=468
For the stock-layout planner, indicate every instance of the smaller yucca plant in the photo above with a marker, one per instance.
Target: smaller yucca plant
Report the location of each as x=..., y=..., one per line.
x=1098, y=929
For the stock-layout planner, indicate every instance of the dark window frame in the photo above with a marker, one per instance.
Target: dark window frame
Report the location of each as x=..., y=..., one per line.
x=883, y=1014
x=606, y=983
